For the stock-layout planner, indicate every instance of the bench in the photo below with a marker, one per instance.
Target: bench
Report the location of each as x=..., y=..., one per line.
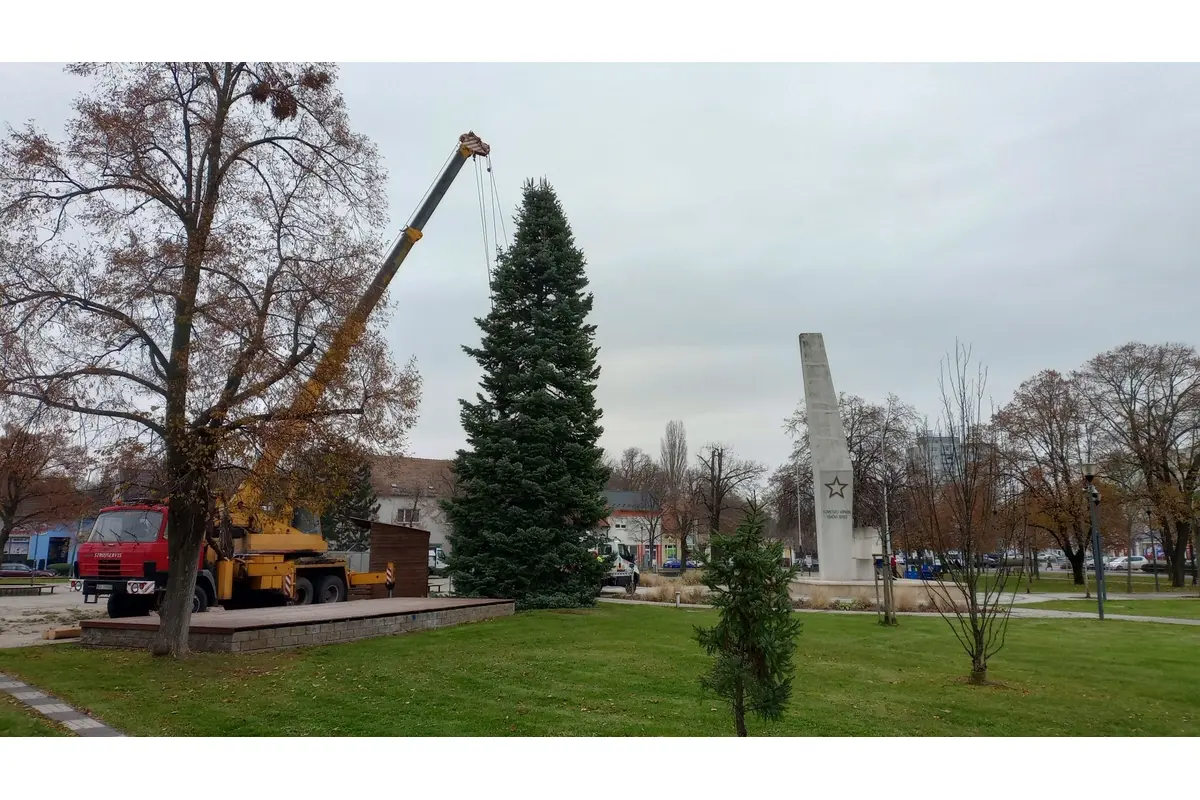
x=26, y=590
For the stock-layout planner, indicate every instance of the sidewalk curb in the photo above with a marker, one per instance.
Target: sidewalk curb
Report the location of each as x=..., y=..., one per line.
x=52, y=708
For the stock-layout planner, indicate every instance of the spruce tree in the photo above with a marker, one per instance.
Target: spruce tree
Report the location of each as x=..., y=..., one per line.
x=754, y=640
x=358, y=500
x=530, y=482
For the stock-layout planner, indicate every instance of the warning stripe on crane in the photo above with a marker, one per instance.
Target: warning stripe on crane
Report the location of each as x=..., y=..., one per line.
x=389, y=577
x=287, y=585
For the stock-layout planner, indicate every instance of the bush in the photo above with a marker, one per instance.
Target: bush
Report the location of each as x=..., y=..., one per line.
x=556, y=600
x=60, y=569
x=688, y=595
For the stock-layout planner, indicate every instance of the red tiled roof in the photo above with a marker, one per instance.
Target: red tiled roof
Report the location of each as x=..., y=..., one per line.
x=404, y=475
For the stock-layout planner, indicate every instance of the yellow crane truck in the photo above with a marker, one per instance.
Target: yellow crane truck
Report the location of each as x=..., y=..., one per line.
x=259, y=555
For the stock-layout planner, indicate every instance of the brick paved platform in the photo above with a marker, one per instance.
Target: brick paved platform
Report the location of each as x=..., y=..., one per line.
x=252, y=630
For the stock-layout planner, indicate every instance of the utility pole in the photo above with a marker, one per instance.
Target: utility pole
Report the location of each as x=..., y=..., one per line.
x=889, y=589
x=1093, y=500
x=799, y=526
x=1129, y=559
x=1153, y=546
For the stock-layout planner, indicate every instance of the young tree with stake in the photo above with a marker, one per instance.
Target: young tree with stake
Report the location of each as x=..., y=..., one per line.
x=753, y=643
x=964, y=512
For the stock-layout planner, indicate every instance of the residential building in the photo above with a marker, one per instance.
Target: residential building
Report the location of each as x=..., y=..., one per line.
x=635, y=519
x=409, y=491
x=46, y=544
x=938, y=454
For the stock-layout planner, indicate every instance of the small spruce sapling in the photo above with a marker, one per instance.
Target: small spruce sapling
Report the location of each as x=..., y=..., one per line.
x=753, y=643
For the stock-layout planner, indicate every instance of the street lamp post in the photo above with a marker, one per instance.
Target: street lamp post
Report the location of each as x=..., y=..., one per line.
x=1093, y=497
x=1153, y=546
x=1129, y=560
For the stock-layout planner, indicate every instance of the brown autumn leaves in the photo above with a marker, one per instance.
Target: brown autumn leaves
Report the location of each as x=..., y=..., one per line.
x=175, y=266
x=1134, y=411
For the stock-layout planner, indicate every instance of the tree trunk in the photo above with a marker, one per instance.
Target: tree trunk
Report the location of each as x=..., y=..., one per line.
x=978, y=672
x=187, y=521
x=739, y=711
x=1195, y=556
x=5, y=531
x=1076, y=560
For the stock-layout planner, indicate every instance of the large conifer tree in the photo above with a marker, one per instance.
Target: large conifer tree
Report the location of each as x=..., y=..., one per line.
x=530, y=482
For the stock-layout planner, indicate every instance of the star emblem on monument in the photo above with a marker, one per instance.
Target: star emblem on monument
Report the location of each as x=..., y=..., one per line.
x=836, y=488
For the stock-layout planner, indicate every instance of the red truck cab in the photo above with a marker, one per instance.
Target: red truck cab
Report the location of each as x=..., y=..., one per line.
x=125, y=559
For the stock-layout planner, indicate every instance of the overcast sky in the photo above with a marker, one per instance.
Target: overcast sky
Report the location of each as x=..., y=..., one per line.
x=1041, y=213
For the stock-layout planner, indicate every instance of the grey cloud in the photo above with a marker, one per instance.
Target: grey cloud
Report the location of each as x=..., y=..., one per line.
x=1041, y=212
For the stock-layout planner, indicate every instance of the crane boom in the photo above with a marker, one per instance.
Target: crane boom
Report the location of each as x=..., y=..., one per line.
x=248, y=497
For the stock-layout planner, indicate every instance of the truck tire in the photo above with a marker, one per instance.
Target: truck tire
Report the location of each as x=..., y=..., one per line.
x=124, y=605
x=199, y=601
x=330, y=589
x=631, y=587
x=117, y=607
x=303, y=592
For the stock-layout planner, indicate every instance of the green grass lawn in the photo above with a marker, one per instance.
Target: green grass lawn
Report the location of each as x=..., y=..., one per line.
x=1182, y=608
x=1059, y=582
x=17, y=719
x=632, y=670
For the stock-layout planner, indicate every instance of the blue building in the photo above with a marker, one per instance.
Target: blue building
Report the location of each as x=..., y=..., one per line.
x=47, y=544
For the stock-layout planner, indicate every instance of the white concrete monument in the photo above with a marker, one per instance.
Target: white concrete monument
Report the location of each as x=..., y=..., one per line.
x=845, y=553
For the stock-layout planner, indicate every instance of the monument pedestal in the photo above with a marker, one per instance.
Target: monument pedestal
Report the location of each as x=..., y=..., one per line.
x=911, y=595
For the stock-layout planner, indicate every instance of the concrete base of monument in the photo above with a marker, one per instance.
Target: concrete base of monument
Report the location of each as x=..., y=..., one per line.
x=910, y=595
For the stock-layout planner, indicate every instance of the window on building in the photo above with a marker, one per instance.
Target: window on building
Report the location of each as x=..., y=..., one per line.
x=408, y=516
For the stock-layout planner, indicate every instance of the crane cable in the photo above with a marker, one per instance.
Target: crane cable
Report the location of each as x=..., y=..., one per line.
x=490, y=196
x=487, y=245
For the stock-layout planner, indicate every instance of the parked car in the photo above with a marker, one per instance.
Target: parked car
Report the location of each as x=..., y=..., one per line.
x=1189, y=568
x=1123, y=563
x=23, y=571
x=673, y=563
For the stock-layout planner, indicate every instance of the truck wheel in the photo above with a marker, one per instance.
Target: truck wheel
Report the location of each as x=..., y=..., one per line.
x=631, y=587
x=117, y=607
x=304, y=592
x=199, y=601
x=330, y=589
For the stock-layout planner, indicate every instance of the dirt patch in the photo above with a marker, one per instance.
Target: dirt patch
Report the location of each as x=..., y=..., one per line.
x=24, y=619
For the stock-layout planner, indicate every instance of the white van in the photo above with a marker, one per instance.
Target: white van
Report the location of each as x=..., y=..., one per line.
x=437, y=559
x=624, y=571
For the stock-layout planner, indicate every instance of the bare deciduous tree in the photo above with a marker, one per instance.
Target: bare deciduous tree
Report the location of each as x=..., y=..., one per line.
x=633, y=470
x=1145, y=404
x=678, y=487
x=792, y=506
x=878, y=437
x=39, y=473
x=183, y=264
x=964, y=512
x=1047, y=436
x=722, y=478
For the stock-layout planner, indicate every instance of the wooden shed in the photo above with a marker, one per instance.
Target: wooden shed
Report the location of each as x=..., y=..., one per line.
x=408, y=550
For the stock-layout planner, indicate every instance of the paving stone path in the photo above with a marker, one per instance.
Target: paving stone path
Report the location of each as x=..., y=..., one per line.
x=52, y=708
